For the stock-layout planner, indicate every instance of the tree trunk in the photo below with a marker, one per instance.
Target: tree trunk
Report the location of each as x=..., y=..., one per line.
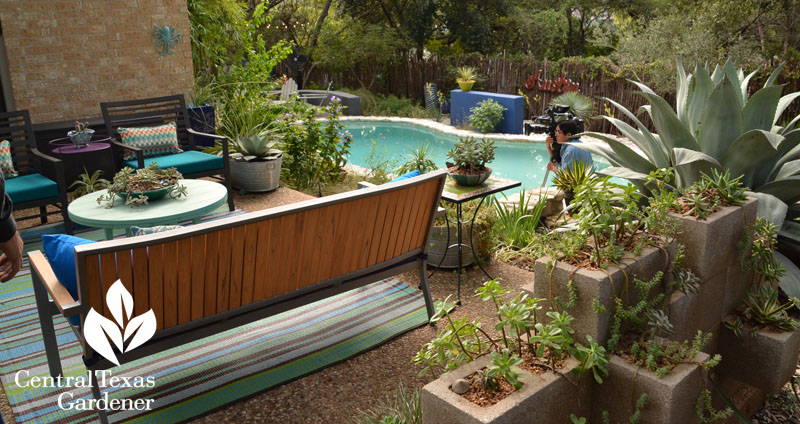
x=315, y=39
x=568, y=49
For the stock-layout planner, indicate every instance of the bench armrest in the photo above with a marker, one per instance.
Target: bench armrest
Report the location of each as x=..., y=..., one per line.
x=57, y=291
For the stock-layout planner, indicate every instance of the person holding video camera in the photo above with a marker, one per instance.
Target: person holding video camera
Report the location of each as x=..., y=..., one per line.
x=569, y=151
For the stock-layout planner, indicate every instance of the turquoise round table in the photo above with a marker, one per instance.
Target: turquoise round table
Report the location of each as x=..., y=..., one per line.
x=203, y=197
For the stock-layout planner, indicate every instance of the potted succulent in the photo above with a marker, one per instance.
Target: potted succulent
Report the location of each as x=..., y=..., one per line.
x=469, y=158
x=466, y=77
x=81, y=135
x=256, y=164
x=250, y=123
x=138, y=188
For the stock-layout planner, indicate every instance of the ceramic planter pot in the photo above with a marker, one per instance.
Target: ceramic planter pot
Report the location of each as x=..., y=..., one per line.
x=256, y=176
x=82, y=137
x=471, y=180
x=437, y=245
x=465, y=86
x=203, y=119
x=548, y=398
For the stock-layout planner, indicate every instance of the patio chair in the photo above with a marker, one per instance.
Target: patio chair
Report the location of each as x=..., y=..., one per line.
x=25, y=184
x=288, y=90
x=148, y=126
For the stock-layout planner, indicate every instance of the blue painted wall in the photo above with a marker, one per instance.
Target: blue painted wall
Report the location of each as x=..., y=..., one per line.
x=461, y=102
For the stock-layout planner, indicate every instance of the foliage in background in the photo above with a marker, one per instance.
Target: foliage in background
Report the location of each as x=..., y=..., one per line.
x=316, y=151
x=580, y=105
x=418, y=160
x=716, y=125
x=516, y=225
x=486, y=115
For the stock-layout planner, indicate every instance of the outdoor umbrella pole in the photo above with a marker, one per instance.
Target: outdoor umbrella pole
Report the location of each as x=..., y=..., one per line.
x=544, y=182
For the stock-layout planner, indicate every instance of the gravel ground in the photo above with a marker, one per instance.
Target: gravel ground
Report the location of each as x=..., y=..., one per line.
x=337, y=393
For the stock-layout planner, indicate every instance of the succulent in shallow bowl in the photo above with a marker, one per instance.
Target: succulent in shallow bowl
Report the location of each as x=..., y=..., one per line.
x=139, y=187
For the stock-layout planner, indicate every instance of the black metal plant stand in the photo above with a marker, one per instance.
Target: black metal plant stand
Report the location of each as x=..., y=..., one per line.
x=459, y=195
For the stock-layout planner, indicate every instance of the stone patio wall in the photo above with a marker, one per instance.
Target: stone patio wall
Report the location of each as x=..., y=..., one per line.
x=67, y=56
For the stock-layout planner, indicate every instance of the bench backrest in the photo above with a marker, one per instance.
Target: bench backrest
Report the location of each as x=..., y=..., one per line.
x=214, y=267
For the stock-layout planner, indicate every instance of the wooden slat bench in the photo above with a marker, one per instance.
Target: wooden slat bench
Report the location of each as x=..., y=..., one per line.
x=219, y=275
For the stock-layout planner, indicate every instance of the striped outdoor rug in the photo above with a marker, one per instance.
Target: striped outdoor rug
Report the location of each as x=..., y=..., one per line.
x=209, y=373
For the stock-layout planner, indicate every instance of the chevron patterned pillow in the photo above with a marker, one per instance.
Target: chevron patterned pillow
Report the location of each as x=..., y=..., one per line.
x=155, y=141
x=6, y=163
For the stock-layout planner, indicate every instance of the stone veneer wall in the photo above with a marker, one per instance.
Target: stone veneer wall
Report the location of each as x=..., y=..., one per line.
x=67, y=56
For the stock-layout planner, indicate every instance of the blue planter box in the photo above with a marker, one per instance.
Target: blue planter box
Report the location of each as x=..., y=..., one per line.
x=202, y=118
x=461, y=102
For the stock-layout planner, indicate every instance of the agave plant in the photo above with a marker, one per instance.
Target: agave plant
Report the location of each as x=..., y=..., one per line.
x=715, y=125
x=255, y=147
x=572, y=176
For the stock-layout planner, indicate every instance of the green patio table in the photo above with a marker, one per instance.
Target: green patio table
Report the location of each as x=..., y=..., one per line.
x=203, y=198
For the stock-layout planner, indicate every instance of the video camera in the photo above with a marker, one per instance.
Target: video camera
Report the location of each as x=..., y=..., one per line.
x=546, y=124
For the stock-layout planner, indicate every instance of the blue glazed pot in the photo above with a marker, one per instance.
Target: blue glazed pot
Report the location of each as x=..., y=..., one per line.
x=445, y=108
x=471, y=180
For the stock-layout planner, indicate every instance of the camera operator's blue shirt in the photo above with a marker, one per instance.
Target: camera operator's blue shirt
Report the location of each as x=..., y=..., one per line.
x=571, y=153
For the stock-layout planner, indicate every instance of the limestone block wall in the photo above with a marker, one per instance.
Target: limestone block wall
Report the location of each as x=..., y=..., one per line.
x=67, y=56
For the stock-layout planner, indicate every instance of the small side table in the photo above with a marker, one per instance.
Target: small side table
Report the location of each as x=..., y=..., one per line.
x=96, y=153
x=458, y=195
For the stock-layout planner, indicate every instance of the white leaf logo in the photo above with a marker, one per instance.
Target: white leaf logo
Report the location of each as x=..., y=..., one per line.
x=99, y=330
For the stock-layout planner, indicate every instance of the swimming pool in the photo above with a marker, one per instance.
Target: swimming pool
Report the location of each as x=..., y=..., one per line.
x=393, y=141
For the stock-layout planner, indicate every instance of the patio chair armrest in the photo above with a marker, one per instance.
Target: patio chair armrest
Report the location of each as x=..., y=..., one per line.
x=46, y=157
x=57, y=291
x=216, y=136
x=136, y=150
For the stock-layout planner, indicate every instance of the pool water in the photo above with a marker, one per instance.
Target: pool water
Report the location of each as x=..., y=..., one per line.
x=378, y=141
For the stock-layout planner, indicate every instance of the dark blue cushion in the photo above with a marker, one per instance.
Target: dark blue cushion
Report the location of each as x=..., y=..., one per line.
x=186, y=162
x=60, y=252
x=30, y=187
x=406, y=176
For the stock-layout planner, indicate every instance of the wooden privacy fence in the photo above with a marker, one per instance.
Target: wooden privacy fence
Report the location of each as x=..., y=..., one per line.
x=407, y=78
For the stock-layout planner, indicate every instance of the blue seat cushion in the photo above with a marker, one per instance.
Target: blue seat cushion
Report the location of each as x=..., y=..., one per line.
x=30, y=187
x=60, y=252
x=186, y=162
x=406, y=176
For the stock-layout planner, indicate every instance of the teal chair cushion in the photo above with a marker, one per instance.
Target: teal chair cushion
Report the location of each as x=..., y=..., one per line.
x=30, y=187
x=186, y=162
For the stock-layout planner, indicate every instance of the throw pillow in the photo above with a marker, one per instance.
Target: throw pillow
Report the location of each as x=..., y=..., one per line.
x=406, y=176
x=155, y=141
x=6, y=163
x=60, y=252
x=141, y=231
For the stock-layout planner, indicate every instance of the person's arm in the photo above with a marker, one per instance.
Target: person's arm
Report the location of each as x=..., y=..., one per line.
x=10, y=241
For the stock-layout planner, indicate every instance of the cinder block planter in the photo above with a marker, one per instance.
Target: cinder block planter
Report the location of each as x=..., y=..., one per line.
x=737, y=281
x=669, y=400
x=548, y=398
x=693, y=312
x=711, y=243
x=601, y=285
x=765, y=361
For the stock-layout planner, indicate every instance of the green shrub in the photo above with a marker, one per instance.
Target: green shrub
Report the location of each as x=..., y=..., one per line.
x=486, y=115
